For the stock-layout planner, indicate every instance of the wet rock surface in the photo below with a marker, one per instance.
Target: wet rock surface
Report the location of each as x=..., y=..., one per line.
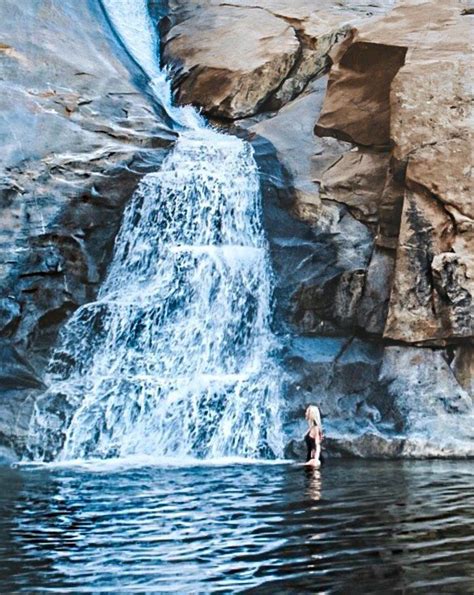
x=77, y=134
x=19, y=384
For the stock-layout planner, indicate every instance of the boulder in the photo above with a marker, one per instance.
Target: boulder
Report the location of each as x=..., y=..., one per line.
x=392, y=402
x=228, y=60
x=357, y=106
x=431, y=298
x=237, y=58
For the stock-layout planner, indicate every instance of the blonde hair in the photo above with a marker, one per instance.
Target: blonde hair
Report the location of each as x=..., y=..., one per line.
x=313, y=414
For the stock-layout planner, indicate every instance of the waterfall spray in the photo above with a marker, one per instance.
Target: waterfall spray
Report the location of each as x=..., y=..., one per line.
x=175, y=356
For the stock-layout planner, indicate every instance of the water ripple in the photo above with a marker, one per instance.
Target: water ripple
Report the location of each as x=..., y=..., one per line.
x=354, y=527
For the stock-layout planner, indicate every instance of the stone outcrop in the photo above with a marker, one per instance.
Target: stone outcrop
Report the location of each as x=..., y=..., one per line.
x=369, y=234
x=401, y=82
x=222, y=52
x=237, y=58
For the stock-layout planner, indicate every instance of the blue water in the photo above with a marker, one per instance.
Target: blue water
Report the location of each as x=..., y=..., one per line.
x=355, y=527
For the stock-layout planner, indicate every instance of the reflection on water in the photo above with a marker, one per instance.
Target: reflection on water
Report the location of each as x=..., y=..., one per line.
x=350, y=527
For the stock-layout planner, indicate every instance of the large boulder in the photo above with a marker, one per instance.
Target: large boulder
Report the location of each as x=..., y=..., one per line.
x=357, y=180
x=236, y=58
x=221, y=52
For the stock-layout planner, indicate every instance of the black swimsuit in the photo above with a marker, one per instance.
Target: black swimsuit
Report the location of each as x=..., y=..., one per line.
x=310, y=445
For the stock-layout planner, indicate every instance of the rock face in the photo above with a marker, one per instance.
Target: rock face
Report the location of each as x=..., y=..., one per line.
x=256, y=45
x=77, y=134
x=19, y=384
x=368, y=211
x=367, y=195
x=407, y=84
x=235, y=58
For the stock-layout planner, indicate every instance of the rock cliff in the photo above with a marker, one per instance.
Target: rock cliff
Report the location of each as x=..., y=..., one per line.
x=77, y=133
x=358, y=113
x=368, y=200
x=407, y=74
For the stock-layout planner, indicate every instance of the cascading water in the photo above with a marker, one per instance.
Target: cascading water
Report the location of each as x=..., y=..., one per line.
x=175, y=356
x=130, y=20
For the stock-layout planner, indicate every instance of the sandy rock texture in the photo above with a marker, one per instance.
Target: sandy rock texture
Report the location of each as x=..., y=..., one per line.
x=76, y=135
x=236, y=58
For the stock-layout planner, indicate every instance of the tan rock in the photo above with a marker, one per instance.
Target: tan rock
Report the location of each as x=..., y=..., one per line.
x=451, y=182
x=403, y=80
x=430, y=101
x=230, y=59
x=357, y=179
x=234, y=58
x=357, y=107
x=431, y=294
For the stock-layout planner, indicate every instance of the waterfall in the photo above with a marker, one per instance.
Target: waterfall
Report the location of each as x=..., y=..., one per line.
x=174, y=358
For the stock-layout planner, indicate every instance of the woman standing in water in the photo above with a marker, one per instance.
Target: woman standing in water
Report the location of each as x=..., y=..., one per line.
x=314, y=436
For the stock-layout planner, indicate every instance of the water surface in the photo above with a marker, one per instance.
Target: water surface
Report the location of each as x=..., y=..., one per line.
x=354, y=527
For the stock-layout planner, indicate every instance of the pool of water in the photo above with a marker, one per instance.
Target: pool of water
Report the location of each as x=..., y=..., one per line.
x=356, y=526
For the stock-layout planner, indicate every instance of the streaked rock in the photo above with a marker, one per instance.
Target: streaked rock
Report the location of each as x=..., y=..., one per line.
x=77, y=133
x=397, y=81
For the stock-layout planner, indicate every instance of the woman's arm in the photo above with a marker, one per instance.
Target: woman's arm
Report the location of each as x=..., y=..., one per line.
x=318, y=449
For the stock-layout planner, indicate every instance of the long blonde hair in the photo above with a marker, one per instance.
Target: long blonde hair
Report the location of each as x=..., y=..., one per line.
x=313, y=415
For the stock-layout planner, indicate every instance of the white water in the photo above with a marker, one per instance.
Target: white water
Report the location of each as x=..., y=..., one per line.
x=174, y=357
x=132, y=24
